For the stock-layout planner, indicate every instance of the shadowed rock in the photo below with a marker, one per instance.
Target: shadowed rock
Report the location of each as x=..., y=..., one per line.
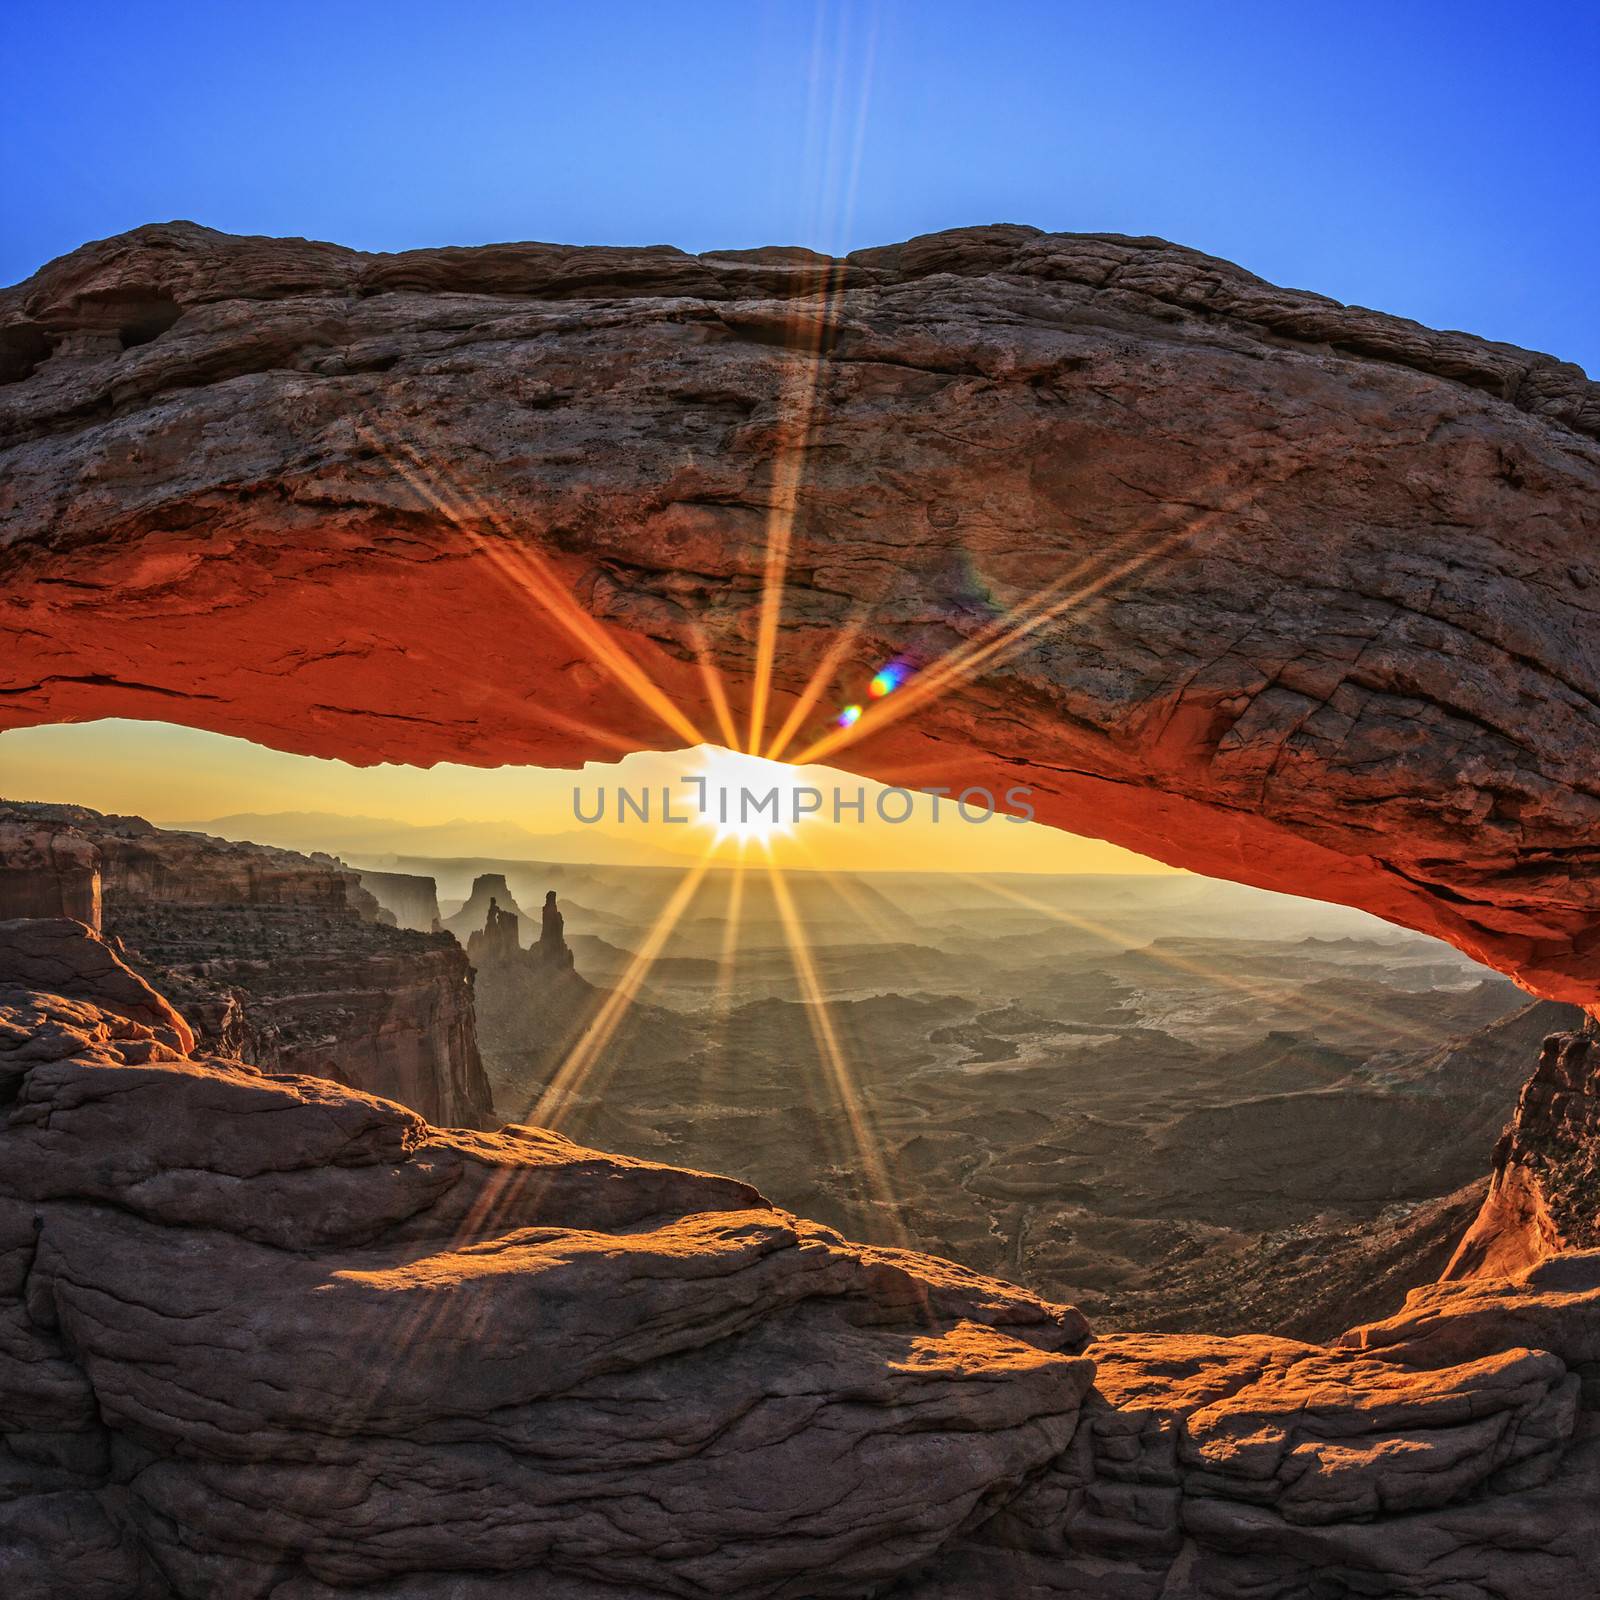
x=54, y=955
x=270, y=1337
x=489, y=889
x=412, y=900
x=1544, y=1194
x=268, y=1318
x=276, y=956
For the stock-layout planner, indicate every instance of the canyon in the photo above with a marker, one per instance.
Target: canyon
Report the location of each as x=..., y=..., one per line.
x=1180, y=1106
x=1288, y=592
x=280, y=958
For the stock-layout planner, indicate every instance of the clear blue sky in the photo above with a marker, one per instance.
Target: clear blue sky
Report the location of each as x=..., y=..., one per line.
x=1429, y=158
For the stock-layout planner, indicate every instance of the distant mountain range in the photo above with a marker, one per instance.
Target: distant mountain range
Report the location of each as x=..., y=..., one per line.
x=343, y=835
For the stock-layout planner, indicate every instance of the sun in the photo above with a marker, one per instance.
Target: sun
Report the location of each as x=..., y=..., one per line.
x=748, y=798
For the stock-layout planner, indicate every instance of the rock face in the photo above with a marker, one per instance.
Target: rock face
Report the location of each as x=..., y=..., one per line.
x=1307, y=594
x=532, y=1005
x=412, y=900
x=54, y=954
x=46, y=871
x=1265, y=586
x=219, y=1350
x=271, y=1337
x=1544, y=1195
x=280, y=958
x=488, y=888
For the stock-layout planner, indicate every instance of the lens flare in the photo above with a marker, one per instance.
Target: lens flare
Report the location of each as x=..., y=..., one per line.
x=849, y=716
x=888, y=680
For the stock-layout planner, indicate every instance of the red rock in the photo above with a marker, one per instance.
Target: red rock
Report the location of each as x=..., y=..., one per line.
x=322, y=499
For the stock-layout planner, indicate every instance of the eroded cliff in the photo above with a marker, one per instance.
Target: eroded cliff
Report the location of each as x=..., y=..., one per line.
x=1544, y=1192
x=274, y=956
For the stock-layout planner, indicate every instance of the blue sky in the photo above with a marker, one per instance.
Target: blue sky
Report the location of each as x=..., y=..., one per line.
x=1432, y=159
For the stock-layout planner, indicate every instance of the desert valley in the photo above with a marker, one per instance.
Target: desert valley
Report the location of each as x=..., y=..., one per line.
x=1177, y=1104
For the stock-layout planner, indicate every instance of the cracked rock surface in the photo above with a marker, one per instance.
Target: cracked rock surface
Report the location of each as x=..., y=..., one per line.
x=265, y=1332
x=1544, y=1192
x=263, y=1336
x=1308, y=593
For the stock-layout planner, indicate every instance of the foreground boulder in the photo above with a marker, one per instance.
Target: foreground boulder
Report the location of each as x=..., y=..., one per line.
x=267, y=1333
x=268, y=1338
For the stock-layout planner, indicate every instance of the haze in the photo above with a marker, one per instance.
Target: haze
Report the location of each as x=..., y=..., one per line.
x=178, y=776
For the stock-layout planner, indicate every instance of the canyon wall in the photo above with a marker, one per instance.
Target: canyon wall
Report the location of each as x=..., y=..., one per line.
x=411, y=899
x=274, y=956
x=47, y=871
x=1270, y=587
x=1544, y=1191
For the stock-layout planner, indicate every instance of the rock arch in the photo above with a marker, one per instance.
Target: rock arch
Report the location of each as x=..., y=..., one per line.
x=1312, y=591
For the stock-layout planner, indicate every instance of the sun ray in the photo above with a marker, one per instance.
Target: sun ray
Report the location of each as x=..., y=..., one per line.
x=886, y=932
x=716, y=691
x=811, y=322
x=570, y=1079
x=728, y=957
x=779, y=525
x=1270, y=995
x=529, y=575
x=874, y=1169
x=993, y=646
x=821, y=676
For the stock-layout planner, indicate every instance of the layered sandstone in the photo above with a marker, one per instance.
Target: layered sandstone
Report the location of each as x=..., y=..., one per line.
x=269, y=1336
x=1544, y=1192
x=281, y=958
x=47, y=871
x=1308, y=594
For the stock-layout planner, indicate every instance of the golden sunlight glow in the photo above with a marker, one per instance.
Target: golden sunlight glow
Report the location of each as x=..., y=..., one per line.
x=872, y=1162
x=1283, y=996
x=745, y=797
x=528, y=575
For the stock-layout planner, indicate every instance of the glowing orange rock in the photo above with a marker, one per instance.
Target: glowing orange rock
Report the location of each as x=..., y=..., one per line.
x=1266, y=586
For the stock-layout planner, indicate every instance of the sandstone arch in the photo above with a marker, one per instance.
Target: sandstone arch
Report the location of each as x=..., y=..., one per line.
x=282, y=489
